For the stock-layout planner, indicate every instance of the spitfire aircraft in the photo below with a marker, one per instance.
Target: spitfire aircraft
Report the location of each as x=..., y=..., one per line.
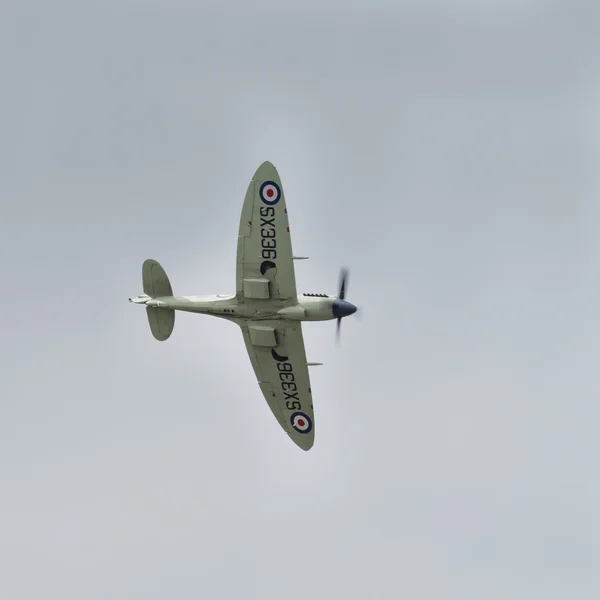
x=266, y=305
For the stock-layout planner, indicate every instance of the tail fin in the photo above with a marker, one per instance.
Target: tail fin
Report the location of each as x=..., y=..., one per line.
x=157, y=285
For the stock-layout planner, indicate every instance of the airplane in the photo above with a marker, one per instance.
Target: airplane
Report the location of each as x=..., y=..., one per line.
x=266, y=305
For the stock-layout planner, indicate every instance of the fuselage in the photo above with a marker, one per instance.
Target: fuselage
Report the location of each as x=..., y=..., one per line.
x=307, y=307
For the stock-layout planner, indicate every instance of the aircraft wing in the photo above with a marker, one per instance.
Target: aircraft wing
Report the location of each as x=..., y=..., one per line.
x=276, y=350
x=265, y=268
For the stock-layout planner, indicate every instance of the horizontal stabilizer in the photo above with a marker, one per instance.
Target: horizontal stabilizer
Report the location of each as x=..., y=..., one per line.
x=162, y=321
x=155, y=280
x=157, y=285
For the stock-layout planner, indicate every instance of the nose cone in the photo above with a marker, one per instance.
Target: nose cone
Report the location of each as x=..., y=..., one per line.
x=343, y=308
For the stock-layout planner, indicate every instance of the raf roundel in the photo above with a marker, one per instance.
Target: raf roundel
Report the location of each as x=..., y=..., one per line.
x=301, y=422
x=270, y=193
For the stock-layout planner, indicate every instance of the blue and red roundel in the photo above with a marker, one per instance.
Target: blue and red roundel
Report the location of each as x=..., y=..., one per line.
x=301, y=422
x=270, y=193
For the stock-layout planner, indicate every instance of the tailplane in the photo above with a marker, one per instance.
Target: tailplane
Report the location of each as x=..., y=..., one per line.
x=155, y=280
x=156, y=285
x=162, y=321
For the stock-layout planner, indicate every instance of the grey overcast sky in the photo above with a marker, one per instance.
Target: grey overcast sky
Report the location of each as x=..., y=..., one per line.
x=448, y=153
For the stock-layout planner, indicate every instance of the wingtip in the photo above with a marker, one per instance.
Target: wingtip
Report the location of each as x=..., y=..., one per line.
x=267, y=163
x=304, y=444
x=266, y=167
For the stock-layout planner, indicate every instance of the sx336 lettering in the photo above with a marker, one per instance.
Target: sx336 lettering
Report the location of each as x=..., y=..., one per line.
x=288, y=382
x=267, y=232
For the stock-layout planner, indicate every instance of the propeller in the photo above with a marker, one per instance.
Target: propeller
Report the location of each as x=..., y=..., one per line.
x=343, y=308
x=337, y=330
x=344, y=275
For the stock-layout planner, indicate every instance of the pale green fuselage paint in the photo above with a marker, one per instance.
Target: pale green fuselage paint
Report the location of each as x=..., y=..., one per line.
x=226, y=306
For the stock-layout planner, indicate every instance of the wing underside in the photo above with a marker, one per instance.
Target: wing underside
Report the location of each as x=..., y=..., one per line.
x=265, y=268
x=276, y=350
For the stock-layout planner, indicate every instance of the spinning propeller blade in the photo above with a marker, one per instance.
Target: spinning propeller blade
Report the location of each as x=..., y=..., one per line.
x=344, y=276
x=341, y=307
